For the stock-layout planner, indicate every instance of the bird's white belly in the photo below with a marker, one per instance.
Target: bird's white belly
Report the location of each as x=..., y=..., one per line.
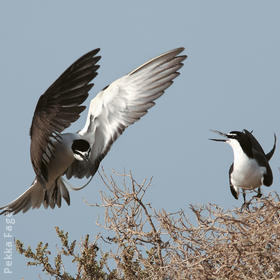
x=247, y=174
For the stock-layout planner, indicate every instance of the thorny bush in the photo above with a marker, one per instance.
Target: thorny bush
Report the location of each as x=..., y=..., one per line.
x=152, y=244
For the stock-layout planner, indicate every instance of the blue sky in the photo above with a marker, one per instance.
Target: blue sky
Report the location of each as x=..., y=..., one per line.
x=230, y=81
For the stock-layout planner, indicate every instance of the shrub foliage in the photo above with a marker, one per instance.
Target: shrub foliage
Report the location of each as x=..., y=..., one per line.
x=153, y=244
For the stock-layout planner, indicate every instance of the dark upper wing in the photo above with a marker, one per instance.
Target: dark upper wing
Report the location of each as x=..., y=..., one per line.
x=58, y=107
x=262, y=158
x=270, y=154
x=233, y=190
x=256, y=146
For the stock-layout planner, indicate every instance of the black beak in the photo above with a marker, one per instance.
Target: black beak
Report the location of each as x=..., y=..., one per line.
x=220, y=133
x=85, y=157
x=218, y=140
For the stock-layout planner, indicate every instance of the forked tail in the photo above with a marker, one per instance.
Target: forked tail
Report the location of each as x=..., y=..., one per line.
x=36, y=195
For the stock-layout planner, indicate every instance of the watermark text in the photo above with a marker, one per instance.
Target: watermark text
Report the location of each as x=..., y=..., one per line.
x=8, y=244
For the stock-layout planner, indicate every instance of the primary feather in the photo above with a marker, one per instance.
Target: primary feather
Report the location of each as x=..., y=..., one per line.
x=121, y=104
x=116, y=107
x=57, y=108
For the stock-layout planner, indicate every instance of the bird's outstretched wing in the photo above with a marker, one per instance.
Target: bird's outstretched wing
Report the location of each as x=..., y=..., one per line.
x=121, y=104
x=36, y=195
x=57, y=108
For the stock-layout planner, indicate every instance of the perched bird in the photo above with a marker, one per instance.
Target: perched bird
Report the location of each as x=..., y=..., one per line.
x=250, y=168
x=117, y=106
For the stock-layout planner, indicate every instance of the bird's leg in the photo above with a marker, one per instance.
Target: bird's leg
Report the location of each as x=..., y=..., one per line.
x=245, y=203
x=259, y=194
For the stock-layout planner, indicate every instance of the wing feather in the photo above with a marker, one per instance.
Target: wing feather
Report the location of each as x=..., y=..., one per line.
x=270, y=154
x=121, y=104
x=36, y=195
x=263, y=158
x=57, y=108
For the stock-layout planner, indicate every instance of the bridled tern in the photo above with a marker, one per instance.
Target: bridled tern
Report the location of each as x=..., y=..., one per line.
x=111, y=111
x=250, y=168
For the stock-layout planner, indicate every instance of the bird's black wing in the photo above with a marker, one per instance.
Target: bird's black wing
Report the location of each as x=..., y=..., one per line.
x=262, y=161
x=256, y=145
x=262, y=158
x=270, y=154
x=233, y=190
x=58, y=107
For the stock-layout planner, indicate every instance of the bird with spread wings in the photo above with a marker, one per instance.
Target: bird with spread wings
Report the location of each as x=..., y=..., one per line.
x=120, y=104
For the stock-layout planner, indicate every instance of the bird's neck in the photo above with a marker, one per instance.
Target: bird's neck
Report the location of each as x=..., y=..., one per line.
x=239, y=154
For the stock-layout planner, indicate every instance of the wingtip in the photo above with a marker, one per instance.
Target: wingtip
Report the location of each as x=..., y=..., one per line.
x=177, y=51
x=94, y=51
x=5, y=211
x=234, y=192
x=271, y=153
x=275, y=140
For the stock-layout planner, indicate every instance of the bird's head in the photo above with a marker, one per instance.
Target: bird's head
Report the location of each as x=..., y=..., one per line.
x=237, y=140
x=81, y=149
x=236, y=135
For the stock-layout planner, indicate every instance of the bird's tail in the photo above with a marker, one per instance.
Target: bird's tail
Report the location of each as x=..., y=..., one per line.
x=52, y=196
x=36, y=195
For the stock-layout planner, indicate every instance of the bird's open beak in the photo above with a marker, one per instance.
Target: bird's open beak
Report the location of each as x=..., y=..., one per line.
x=86, y=157
x=218, y=140
x=220, y=133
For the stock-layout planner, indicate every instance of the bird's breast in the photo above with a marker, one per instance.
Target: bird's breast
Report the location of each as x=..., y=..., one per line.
x=247, y=174
x=62, y=159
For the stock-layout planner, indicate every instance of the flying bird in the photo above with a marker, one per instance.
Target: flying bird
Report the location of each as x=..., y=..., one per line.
x=250, y=168
x=120, y=104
